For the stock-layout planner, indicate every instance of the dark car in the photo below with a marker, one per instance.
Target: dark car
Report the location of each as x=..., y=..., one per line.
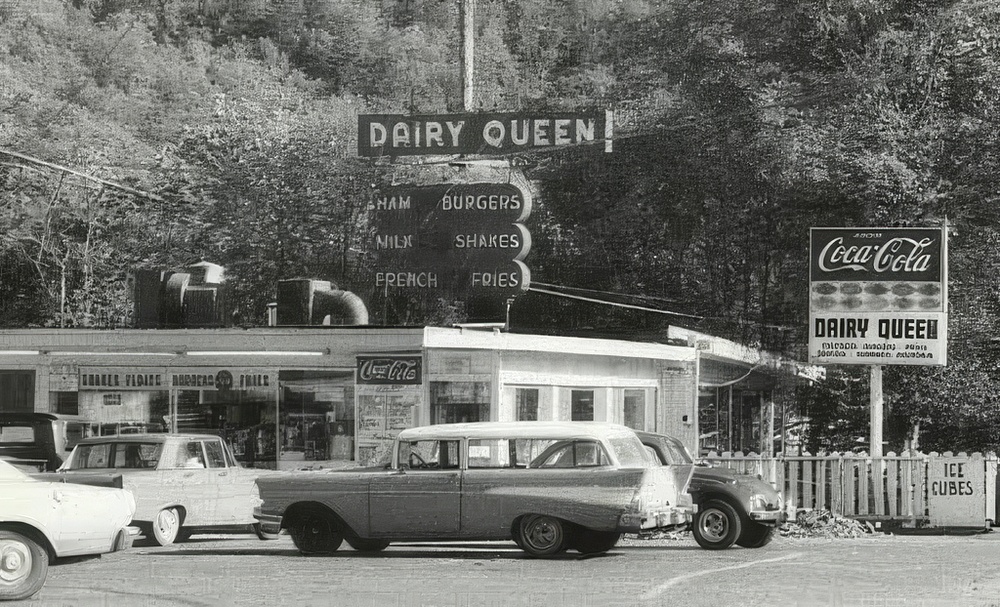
x=731, y=508
x=38, y=442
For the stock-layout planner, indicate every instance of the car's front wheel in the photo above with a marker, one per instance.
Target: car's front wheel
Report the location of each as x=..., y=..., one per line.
x=756, y=535
x=717, y=525
x=541, y=535
x=315, y=532
x=24, y=564
x=166, y=526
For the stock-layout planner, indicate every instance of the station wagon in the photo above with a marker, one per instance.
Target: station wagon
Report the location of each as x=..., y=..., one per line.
x=548, y=486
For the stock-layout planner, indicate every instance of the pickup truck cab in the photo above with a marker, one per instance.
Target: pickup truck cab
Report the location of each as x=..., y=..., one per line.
x=39, y=442
x=548, y=486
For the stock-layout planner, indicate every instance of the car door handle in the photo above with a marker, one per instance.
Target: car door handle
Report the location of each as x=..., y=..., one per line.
x=223, y=474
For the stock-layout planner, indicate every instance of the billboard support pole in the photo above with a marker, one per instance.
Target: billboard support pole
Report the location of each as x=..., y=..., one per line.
x=877, y=401
x=468, y=16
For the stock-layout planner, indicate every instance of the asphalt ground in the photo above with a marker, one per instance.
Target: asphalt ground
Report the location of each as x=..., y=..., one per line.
x=877, y=570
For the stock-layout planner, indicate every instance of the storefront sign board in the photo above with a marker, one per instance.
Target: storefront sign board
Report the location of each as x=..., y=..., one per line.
x=114, y=379
x=956, y=491
x=486, y=133
x=393, y=370
x=878, y=296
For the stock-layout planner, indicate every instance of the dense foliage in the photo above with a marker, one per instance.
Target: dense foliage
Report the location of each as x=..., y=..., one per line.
x=231, y=125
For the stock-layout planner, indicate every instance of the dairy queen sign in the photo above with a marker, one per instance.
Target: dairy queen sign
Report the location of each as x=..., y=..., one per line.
x=878, y=296
x=389, y=370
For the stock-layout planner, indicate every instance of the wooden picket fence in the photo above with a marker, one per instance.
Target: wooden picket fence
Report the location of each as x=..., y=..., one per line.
x=848, y=484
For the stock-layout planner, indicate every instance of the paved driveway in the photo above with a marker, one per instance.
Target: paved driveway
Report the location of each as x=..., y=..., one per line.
x=876, y=571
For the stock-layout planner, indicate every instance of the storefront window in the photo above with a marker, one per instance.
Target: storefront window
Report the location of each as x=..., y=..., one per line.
x=65, y=403
x=708, y=422
x=634, y=414
x=123, y=400
x=457, y=401
x=17, y=391
x=582, y=402
x=526, y=401
x=316, y=416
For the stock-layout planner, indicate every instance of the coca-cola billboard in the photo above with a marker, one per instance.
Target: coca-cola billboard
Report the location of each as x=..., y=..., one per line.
x=878, y=296
x=399, y=370
x=882, y=254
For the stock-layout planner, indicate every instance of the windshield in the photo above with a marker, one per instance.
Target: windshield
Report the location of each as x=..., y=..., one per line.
x=676, y=452
x=630, y=452
x=17, y=433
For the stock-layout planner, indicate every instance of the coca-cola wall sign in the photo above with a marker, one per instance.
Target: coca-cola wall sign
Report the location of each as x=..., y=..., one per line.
x=400, y=370
x=878, y=296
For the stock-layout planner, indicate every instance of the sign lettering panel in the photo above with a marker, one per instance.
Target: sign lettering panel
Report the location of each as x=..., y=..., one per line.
x=479, y=133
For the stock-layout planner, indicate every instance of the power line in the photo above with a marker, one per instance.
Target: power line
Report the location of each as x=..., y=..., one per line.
x=611, y=303
x=581, y=289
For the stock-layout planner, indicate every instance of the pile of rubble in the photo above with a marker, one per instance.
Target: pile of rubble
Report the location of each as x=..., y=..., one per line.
x=681, y=534
x=824, y=524
x=806, y=524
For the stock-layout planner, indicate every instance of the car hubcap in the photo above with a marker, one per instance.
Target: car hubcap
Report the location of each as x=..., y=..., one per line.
x=15, y=562
x=714, y=525
x=167, y=523
x=541, y=534
x=315, y=534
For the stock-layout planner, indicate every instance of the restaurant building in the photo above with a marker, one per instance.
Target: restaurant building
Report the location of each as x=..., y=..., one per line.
x=288, y=397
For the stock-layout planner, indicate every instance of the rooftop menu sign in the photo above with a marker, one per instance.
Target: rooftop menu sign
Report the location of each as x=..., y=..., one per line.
x=464, y=238
x=479, y=133
x=878, y=296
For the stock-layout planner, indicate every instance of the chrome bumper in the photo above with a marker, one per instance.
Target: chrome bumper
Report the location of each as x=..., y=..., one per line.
x=125, y=538
x=775, y=517
x=634, y=522
x=269, y=523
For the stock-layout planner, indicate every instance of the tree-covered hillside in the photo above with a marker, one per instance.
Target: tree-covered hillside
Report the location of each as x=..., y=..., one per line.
x=225, y=130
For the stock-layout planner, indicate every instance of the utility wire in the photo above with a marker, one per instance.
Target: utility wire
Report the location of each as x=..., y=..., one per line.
x=105, y=182
x=582, y=290
x=611, y=303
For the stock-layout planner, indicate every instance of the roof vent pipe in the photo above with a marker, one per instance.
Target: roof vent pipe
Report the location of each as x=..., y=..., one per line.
x=303, y=301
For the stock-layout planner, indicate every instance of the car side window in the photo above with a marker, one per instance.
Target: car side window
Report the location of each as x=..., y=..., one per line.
x=527, y=450
x=92, y=456
x=190, y=455
x=216, y=454
x=572, y=454
x=429, y=454
x=489, y=453
x=136, y=456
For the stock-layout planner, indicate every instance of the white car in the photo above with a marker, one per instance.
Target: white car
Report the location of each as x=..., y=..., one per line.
x=183, y=483
x=40, y=521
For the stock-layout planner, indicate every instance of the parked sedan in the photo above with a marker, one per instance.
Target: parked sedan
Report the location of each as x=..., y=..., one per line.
x=41, y=521
x=548, y=486
x=183, y=483
x=731, y=508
